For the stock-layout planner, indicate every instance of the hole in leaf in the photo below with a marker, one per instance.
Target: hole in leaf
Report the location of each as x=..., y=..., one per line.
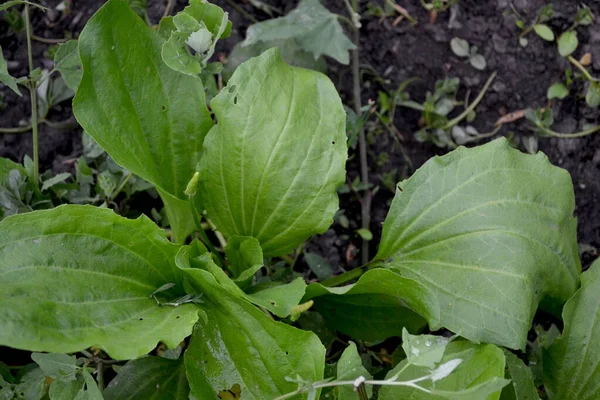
x=164, y=108
x=179, y=316
x=333, y=142
x=235, y=100
x=272, y=302
x=232, y=88
x=235, y=393
x=287, y=353
x=141, y=319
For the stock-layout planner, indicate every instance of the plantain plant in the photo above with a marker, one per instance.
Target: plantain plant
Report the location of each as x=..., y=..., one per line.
x=475, y=241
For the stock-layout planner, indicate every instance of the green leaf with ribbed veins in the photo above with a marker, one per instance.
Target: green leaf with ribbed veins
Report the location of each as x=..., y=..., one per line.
x=81, y=276
x=5, y=76
x=378, y=306
x=572, y=363
x=350, y=367
x=150, y=119
x=273, y=162
x=149, y=378
x=281, y=299
x=490, y=231
x=521, y=376
x=237, y=344
x=68, y=63
x=314, y=28
x=479, y=376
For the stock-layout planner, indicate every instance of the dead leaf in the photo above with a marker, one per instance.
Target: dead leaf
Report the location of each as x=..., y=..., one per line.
x=510, y=117
x=586, y=59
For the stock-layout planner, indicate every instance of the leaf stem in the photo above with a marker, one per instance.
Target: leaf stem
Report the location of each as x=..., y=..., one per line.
x=362, y=142
x=48, y=40
x=21, y=129
x=471, y=106
x=585, y=132
x=581, y=68
x=120, y=188
x=168, y=8
x=32, y=90
x=349, y=275
x=401, y=11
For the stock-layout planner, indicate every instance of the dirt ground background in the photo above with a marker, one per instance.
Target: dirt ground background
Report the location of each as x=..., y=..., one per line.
x=395, y=53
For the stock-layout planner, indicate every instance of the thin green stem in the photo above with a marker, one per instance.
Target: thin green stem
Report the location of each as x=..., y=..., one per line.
x=583, y=70
x=120, y=188
x=526, y=31
x=49, y=40
x=586, y=132
x=471, y=106
x=32, y=91
x=401, y=11
x=100, y=375
x=349, y=275
x=203, y=237
x=362, y=141
x=21, y=129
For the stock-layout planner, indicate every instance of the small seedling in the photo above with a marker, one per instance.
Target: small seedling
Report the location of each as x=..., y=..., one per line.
x=437, y=127
x=437, y=5
x=539, y=25
x=543, y=119
x=568, y=43
x=461, y=48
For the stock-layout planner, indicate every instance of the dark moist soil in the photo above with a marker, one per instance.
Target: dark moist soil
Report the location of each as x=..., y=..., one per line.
x=390, y=54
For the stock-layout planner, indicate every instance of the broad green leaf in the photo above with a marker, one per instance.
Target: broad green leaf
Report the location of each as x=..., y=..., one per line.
x=544, y=32
x=7, y=165
x=149, y=378
x=92, y=392
x=479, y=376
x=350, y=367
x=273, y=162
x=290, y=51
x=592, y=96
x=478, y=62
x=460, y=47
x=424, y=350
x=314, y=28
x=490, y=232
x=199, y=26
x=5, y=77
x=139, y=7
x=237, y=344
x=378, y=306
x=180, y=215
x=55, y=364
x=557, y=91
x=68, y=63
x=572, y=363
x=150, y=119
x=81, y=276
x=280, y=299
x=55, y=180
x=243, y=253
x=65, y=389
x=567, y=43
x=521, y=386
x=33, y=384
x=318, y=265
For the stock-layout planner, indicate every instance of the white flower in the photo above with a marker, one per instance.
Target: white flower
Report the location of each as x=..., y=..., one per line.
x=200, y=41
